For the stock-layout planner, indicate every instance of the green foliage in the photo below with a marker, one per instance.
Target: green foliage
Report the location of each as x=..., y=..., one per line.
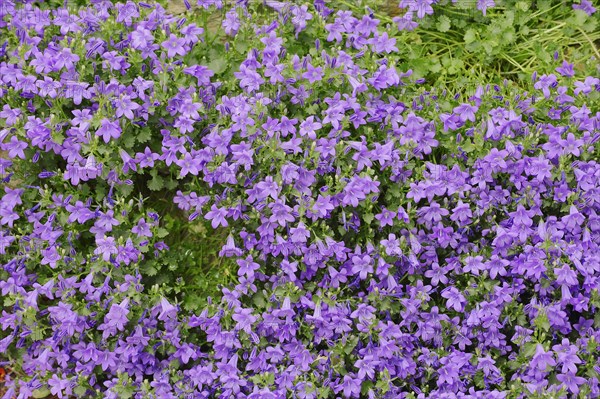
x=514, y=39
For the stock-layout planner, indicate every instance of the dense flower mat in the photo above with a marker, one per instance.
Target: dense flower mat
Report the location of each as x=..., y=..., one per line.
x=391, y=240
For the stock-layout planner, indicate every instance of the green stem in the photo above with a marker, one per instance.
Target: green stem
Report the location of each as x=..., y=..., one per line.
x=535, y=14
x=512, y=61
x=591, y=42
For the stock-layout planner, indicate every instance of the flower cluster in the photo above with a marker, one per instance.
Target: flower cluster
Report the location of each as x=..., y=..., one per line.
x=390, y=240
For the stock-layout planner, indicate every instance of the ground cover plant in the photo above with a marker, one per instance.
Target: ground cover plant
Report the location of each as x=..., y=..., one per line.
x=309, y=200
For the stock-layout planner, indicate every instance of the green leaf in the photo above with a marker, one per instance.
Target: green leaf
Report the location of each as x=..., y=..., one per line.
x=41, y=393
x=443, y=24
x=523, y=5
x=241, y=46
x=37, y=334
x=464, y=4
x=156, y=183
x=529, y=349
x=350, y=345
x=162, y=233
x=57, y=137
x=468, y=146
x=149, y=270
x=144, y=135
x=542, y=322
x=543, y=5
x=470, y=36
x=171, y=184
x=125, y=189
x=259, y=300
x=128, y=139
x=80, y=390
x=578, y=19
x=365, y=387
x=383, y=384
x=218, y=65
x=435, y=66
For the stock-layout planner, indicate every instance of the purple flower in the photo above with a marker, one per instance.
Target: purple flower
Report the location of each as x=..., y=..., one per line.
x=141, y=38
x=421, y=7
x=189, y=165
x=108, y=130
x=383, y=43
x=115, y=320
x=362, y=265
x=250, y=80
x=545, y=83
x=15, y=147
x=571, y=381
x=386, y=217
x=64, y=59
x=567, y=356
x=455, y=299
x=588, y=8
x=106, y=247
x=542, y=359
x=247, y=266
x=566, y=69
x=300, y=16
x=281, y=213
x=587, y=86
x=483, y=5
x=10, y=115
x=244, y=319
x=231, y=24
x=313, y=74
x=142, y=229
x=174, y=46
x=59, y=386
x=167, y=311
x=466, y=112
x=349, y=386
x=147, y=158
x=125, y=107
x=217, y=216
x=5, y=241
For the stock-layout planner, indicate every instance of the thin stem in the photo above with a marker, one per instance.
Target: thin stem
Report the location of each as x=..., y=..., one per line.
x=535, y=14
x=435, y=34
x=590, y=41
x=544, y=32
x=512, y=61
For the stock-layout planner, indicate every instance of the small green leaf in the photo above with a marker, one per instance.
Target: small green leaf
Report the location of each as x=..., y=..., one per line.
x=41, y=393
x=80, y=390
x=170, y=184
x=259, y=300
x=542, y=322
x=443, y=24
x=143, y=135
x=523, y=5
x=128, y=140
x=350, y=345
x=156, y=183
x=125, y=189
x=578, y=19
x=162, y=233
x=218, y=65
x=529, y=349
x=57, y=137
x=468, y=146
x=149, y=270
x=470, y=36
x=435, y=66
